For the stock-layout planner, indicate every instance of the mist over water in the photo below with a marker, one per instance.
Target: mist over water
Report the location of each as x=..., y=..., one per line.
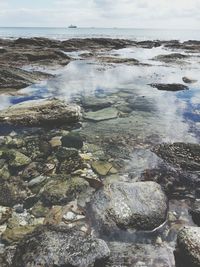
x=67, y=33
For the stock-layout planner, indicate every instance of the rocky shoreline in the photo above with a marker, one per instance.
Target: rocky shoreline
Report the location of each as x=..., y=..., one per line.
x=66, y=196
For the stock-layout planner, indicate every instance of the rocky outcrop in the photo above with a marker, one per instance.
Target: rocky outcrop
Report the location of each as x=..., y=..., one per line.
x=59, y=246
x=173, y=87
x=141, y=206
x=41, y=112
x=188, y=247
x=15, y=78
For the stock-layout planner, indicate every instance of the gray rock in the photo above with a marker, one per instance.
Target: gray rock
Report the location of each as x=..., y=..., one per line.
x=195, y=212
x=173, y=87
x=173, y=57
x=141, y=205
x=188, y=80
x=58, y=246
x=39, y=112
x=101, y=115
x=187, y=252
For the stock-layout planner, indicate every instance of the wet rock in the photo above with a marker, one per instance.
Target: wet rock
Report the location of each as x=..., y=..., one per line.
x=143, y=206
x=16, y=159
x=72, y=140
x=59, y=246
x=13, y=235
x=188, y=80
x=41, y=112
x=103, y=168
x=37, y=181
x=101, y=115
x=183, y=155
x=173, y=87
x=188, y=247
x=149, y=44
x=4, y=172
x=171, y=57
x=195, y=212
x=60, y=191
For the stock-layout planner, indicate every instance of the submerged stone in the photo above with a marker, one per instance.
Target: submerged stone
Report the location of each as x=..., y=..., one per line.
x=101, y=115
x=59, y=246
x=141, y=206
x=103, y=168
x=16, y=159
x=72, y=140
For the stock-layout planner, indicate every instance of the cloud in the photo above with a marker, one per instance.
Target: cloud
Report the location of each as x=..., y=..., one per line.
x=102, y=13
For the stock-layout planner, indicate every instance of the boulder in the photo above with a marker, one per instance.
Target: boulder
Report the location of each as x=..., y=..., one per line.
x=16, y=159
x=140, y=206
x=187, y=253
x=41, y=112
x=58, y=246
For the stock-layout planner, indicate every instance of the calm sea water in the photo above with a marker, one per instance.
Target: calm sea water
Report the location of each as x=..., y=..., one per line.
x=66, y=33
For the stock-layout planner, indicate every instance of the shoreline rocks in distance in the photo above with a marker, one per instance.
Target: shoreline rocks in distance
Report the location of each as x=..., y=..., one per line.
x=41, y=112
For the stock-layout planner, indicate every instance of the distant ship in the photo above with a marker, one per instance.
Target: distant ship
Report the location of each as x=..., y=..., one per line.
x=72, y=26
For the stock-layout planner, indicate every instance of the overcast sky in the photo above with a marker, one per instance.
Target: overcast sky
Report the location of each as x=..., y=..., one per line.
x=184, y=14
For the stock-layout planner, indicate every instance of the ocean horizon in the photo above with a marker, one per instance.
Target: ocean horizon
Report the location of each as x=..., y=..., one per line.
x=63, y=33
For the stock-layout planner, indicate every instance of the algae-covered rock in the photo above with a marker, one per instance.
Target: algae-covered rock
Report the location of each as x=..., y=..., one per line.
x=16, y=159
x=60, y=191
x=39, y=210
x=16, y=234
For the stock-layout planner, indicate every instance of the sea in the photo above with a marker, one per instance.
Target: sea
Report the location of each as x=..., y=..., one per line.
x=129, y=33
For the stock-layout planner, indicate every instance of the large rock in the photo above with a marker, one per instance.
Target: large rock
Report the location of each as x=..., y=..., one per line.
x=187, y=252
x=173, y=57
x=15, y=78
x=195, y=212
x=41, y=112
x=141, y=205
x=58, y=246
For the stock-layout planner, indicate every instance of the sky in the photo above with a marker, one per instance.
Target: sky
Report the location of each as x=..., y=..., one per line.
x=170, y=14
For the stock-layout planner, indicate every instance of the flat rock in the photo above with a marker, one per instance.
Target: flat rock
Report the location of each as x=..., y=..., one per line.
x=117, y=60
x=59, y=246
x=187, y=252
x=141, y=206
x=173, y=87
x=41, y=112
x=101, y=115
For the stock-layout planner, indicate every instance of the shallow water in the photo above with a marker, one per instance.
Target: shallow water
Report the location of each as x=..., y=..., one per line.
x=158, y=117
